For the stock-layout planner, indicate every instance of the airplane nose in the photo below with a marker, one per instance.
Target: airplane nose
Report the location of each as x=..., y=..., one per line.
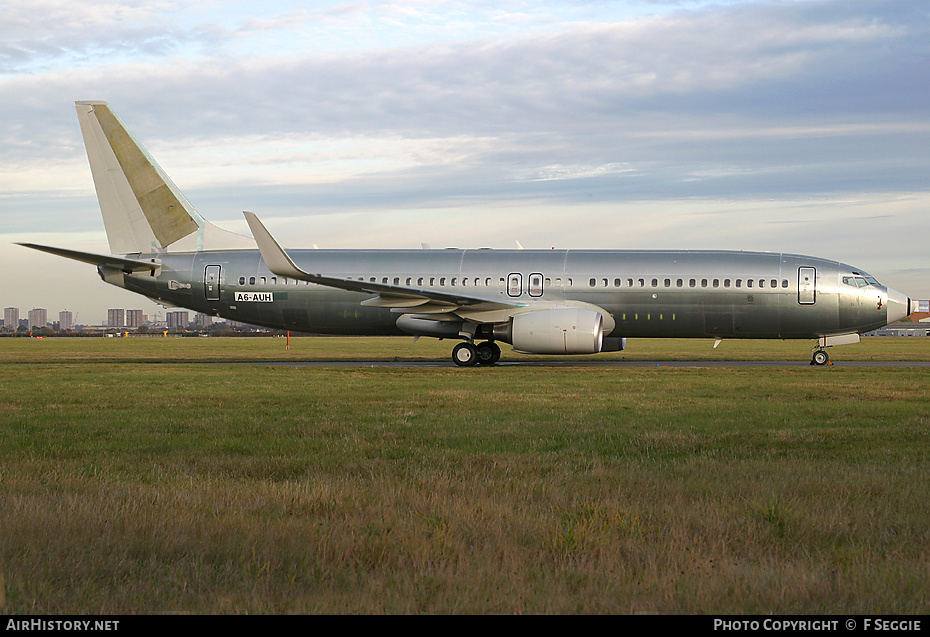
x=899, y=306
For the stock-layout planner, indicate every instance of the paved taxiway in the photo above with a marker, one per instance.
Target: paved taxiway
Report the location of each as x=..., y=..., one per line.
x=619, y=364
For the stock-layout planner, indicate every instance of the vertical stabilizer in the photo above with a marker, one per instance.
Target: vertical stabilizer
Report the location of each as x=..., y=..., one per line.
x=143, y=211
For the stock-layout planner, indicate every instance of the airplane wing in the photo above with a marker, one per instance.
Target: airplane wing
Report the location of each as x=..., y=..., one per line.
x=400, y=299
x=120, y=263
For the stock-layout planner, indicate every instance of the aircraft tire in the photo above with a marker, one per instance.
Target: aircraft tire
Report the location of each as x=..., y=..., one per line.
x=465, y=355
x=820, y=358
x=488, y=353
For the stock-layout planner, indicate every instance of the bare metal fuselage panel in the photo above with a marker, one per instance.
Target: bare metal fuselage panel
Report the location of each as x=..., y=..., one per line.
x=648, y=293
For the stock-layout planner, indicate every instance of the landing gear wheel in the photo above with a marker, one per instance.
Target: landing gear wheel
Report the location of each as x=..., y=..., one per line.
x=820, y=358
x=465, y=355
x=488, y=353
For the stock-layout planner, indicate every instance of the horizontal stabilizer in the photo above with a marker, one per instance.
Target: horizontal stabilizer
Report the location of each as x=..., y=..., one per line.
x=120, y=263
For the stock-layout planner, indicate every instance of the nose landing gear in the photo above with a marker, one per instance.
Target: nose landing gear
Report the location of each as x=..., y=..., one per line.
x=820, y=357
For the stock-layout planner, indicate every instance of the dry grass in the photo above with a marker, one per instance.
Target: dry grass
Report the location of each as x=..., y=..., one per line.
x=252, y=489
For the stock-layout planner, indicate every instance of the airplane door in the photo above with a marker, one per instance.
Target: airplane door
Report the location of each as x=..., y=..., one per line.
x=535, y=287
x=807, y=286
x=514, y=284
x=211, y=282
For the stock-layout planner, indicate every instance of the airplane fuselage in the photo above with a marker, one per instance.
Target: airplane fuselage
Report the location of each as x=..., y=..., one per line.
x=685, y=294
x=539, y=301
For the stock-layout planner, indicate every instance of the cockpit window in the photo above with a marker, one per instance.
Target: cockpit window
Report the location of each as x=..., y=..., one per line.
x=859, y=281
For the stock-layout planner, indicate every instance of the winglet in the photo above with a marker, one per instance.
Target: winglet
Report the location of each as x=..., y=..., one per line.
x=274, y=255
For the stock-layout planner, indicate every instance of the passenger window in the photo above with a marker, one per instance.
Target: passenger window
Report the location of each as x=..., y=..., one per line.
x=691, y=283
x=604, y=282
x=726, y=283
x=739, y=283
x=487, y=282
x=642, y=283
x=655, y=283
x=761, y=283
x=453, y=281
x=372, y=279
x=592, y=282
x=748, y=283
x=668, y=283
x=242, y=280
x=397, y=280
x=629, y=283
x=251, y=280
x=703, y=283
x=784, y=283
x=774, y=283
x=716, y=283
x=409, y=279
x=432, y=281
x=442, y=282
x=679, y=282
x=617, y=283
x=274, y=280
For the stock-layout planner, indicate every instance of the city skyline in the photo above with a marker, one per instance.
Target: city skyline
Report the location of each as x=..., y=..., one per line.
x=132, y=318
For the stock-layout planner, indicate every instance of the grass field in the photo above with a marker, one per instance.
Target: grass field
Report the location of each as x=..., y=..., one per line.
x=131, y=487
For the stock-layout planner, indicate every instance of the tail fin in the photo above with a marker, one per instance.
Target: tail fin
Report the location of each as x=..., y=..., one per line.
x=143, y=211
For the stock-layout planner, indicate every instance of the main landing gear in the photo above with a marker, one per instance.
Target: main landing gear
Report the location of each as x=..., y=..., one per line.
x=468, y=354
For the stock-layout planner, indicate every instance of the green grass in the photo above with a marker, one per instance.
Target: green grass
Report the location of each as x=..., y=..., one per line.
x=140, y=488
x=117, y=350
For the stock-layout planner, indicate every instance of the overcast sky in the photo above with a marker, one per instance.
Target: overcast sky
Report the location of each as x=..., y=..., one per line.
x=798, y=126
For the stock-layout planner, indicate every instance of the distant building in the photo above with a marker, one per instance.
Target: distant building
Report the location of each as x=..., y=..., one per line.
x=901, y=329
x=178, y=320
x=921, y=310
x=65, y=321
x=205, y=320
x=116, y=318
x=134, y=318
x=38, y=317
x=11, y=318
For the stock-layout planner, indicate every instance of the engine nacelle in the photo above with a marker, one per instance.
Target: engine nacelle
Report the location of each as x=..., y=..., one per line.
x=558, y=331
x=429, y=327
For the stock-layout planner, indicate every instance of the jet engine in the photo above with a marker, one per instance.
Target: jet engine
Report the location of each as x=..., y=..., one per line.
x=558, y=331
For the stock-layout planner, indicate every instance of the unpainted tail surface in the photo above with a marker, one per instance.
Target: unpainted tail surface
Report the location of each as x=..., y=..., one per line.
x=143, y=211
